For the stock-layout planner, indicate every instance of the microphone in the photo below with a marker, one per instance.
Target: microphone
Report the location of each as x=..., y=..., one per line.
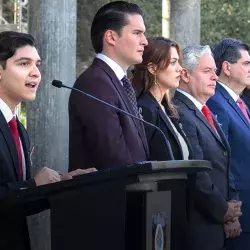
x=59, y=84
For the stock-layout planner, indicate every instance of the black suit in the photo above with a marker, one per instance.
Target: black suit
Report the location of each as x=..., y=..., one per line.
x=210, y=199
x=14, y=233
x=153, y=113
x=100, y=136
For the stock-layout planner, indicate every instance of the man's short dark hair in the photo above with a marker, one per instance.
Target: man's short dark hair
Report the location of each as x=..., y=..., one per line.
x=111, y=16
x=228, y=49
x=10, y=41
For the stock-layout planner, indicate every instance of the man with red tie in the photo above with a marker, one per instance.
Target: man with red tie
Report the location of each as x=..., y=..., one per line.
x=233, y=68
x=19, y=80
x=212, y=210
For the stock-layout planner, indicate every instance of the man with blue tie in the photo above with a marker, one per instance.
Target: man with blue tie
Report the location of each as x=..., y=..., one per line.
x=233, y=68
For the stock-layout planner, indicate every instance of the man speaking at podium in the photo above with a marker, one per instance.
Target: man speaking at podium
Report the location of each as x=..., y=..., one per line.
x=19, y=80
x=100, y=136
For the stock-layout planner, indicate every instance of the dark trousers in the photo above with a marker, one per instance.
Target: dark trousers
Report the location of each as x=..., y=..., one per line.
x=241, y=242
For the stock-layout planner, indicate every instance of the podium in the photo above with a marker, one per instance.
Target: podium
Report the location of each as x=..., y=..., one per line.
x=138, y=207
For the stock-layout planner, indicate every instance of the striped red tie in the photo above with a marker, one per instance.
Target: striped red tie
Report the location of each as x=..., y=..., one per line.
x=14, y=130
x=207, y=113
x=243, y=108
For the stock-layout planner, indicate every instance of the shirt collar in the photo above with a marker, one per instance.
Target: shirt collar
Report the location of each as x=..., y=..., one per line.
x=230, y=91
x=197, y=104
x=119, y=72
x=5, y=109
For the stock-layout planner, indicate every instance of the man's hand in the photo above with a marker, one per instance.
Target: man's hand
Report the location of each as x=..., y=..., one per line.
x=46, y=176
x=77, y=172
x=232, y=229
x=233, y=211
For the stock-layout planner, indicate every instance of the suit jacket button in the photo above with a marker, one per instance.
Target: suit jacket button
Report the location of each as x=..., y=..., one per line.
x=225, y=153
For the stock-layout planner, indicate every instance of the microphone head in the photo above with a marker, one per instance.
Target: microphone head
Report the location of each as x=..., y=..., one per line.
x=57, y=83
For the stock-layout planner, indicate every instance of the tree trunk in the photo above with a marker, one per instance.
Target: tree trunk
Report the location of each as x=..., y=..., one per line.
x=53, y=24
x=185, y=22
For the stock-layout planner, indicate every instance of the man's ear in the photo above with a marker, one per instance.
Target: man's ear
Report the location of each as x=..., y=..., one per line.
x=1, y=72
x=110, y=37
x=226, y=68
x=151, y=68
x=185, y=75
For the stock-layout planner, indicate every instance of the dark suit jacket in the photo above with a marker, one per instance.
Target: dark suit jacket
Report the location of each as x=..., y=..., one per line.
x=14, y=233
x=246, y=97
x=161, y=151
x=153, y=113
x=99, y=136
x=211, y=195
x=237, y=130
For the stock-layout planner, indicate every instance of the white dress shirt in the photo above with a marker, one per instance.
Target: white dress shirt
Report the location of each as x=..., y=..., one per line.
x=119, y=72
x=197, y=104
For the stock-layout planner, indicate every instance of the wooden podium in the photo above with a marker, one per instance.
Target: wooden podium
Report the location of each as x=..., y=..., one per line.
x=137, y=207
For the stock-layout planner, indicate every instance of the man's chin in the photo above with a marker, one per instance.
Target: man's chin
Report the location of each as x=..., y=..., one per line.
x=29, y=98
x=137, y=60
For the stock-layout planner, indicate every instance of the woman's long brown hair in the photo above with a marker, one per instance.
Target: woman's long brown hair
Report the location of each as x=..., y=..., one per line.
x=157, y=52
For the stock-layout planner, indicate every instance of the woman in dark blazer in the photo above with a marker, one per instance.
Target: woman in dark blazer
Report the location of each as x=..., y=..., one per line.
x=153, y=79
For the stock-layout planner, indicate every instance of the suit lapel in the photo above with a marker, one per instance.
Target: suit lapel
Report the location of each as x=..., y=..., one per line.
x=117, y=84
x=222, y=135
x=205, y=121
x=178, y=126
x=6, y=132
x=233, y=104
x=238, y=111
x=198, y=114
x=126, y=101
x=164, y=118
x=25, y=145
x=170, y=127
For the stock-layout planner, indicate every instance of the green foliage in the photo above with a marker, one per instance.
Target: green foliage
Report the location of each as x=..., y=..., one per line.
x=152, y=16
x=226, y=18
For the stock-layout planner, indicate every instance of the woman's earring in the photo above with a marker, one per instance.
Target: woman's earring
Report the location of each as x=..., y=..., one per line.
x=155, y=80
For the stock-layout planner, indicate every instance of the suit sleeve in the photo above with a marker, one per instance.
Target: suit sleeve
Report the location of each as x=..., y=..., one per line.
x=8, y=188
x=158, y=148
x=207, y=197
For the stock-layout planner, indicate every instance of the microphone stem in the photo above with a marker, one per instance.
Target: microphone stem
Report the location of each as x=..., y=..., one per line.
x=125, y=112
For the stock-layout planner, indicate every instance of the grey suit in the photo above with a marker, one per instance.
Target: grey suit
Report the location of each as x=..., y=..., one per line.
x=210, y=199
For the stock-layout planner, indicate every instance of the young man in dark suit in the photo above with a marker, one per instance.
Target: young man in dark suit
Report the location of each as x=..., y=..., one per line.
x=99, y=135
x=233, y=68
x=19, y=80
x=211, y=206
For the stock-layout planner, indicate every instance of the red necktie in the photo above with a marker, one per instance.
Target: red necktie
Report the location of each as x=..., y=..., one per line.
x=243, y=108
x=207, y=113
x=14, y=130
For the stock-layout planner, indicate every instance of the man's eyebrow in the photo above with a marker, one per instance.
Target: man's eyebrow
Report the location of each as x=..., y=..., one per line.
x=139, y=30
x=26, y=58
x=210, y=68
